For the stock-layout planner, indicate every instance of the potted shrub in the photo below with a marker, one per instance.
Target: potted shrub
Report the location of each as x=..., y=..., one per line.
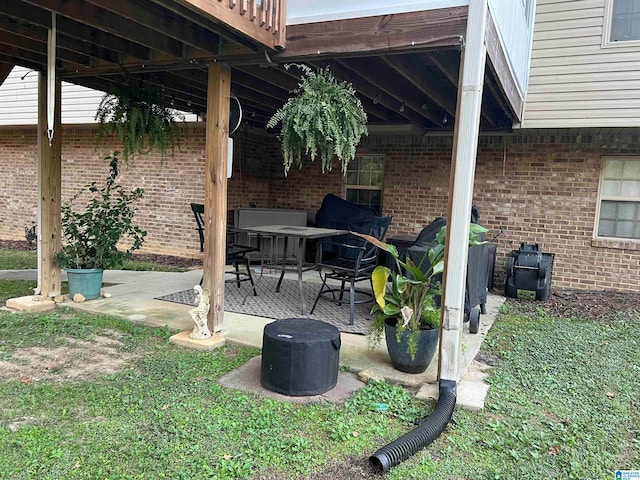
x=324, y=117
x=92, y=233
x=407, y=308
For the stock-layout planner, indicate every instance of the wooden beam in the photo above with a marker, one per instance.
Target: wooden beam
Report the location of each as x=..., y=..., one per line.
x=73, y=29
x=20, y=61
x=406, y=97
x=206, y=22
x=109, y=22
x=162, y=21
x=219, y=11
x=411, y=31
x=451, y=72
x=18, y=54
x=499, y=63
x=37, y=46
x=5, y=70
x=364, y=86
x=49, y=193
x=280, y=28
x=495, y=100
x=215, y=202
x=39, y=33
x=417, y=75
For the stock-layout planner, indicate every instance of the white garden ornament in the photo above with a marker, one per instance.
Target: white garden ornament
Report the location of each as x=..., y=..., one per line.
x=199, y=314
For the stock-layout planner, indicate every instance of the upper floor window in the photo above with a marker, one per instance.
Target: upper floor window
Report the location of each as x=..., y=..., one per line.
x=619, y=212
x=363, y=184
x=622, y=21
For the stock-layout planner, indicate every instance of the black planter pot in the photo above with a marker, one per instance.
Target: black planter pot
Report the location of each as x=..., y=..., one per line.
x=398, y=351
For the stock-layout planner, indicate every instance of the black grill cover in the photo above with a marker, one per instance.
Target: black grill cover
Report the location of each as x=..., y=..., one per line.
x=300, y=356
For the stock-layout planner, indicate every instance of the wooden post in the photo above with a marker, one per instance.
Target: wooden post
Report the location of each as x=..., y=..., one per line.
x=215, y=201
x=463, y=164
x=49, y=193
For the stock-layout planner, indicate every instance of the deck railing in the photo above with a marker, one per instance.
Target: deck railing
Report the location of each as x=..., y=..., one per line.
x=262, y=20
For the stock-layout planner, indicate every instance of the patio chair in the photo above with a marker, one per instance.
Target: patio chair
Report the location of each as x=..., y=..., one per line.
x=352, y=260
x=236, y=254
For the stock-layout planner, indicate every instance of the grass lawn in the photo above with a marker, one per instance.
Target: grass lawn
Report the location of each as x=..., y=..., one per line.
x=23, y=259
x=124, y=403
x=18, y=259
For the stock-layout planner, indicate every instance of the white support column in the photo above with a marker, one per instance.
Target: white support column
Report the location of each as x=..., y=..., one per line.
x=463, y=164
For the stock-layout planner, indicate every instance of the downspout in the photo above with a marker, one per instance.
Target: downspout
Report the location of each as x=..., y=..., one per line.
x=418, y=438
x=465, y=148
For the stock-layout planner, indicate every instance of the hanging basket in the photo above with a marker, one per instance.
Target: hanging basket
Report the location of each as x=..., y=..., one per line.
x=324, y=118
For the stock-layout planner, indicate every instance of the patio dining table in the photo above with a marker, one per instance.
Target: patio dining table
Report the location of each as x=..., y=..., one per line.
x=297, y=264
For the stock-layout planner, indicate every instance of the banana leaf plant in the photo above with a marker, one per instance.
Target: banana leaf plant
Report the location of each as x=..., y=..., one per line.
x=408, y=294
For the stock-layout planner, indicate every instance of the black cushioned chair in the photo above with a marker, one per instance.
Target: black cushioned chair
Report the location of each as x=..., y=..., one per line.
x=236, y=254
x=351, y=259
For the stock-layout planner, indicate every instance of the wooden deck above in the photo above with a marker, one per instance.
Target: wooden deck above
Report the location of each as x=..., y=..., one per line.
x=264, y=21
x=404, y=66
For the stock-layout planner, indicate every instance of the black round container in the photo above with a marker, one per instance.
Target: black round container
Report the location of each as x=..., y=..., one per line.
x=300, y=356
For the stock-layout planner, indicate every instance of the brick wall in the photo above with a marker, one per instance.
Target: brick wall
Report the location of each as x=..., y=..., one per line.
x=538, y=188
x=533, y=188
x=169, y=186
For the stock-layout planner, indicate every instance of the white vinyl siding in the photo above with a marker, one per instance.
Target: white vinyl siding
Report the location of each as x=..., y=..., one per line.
x=619, y=209
x=511, y=18
x=19, y=101
x=575, y=81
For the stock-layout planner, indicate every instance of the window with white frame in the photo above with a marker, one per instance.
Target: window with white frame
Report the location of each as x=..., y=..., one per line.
x=619, y=212
x=363, y=183
x=622, y=22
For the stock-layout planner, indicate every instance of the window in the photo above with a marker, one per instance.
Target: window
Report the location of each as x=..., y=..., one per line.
x=622, y=21
x=619, y=212
x=364, y=181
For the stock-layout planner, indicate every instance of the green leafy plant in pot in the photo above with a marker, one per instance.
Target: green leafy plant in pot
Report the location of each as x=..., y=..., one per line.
x=406, y=308
x=92, y=233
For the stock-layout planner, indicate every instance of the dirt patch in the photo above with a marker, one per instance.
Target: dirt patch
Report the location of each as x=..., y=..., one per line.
x=17, y=245
x=599, y=306
x=351, y=469
x=78, y=360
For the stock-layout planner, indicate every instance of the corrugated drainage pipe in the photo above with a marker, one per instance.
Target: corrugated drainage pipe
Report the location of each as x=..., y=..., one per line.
x=405, y=446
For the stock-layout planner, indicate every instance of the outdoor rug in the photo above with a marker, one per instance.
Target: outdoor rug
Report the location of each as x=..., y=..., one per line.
x=285, y=304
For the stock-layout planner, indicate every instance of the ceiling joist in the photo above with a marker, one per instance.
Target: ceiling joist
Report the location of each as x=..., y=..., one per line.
x=403, y=67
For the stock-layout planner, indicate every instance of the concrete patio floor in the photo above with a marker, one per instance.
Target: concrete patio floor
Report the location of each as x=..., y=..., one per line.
x=132, y=298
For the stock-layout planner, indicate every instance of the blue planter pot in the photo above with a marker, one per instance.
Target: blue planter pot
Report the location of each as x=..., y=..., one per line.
x=400, y=357
x=86, y=281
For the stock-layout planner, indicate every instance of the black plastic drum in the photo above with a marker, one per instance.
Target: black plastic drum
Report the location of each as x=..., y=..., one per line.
x=300, y=356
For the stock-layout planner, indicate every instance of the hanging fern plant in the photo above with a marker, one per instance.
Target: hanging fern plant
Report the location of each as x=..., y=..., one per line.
x=135, y=116
x=324, y=117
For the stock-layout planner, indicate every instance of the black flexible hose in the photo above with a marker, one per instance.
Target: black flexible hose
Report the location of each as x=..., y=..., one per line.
x=405, y=446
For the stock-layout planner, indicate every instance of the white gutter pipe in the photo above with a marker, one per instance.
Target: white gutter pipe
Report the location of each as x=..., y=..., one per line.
x=463, y=164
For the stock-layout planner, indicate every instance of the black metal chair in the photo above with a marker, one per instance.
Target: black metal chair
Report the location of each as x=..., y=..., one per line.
x=352, y=260
x=236, y=254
